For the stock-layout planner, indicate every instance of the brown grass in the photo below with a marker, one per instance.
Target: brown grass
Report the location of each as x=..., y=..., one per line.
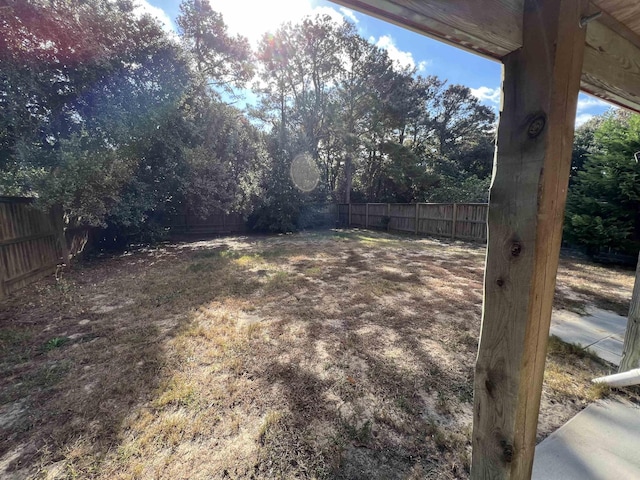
x=332, y=355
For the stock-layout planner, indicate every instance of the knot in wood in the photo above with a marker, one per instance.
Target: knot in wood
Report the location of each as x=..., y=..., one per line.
x=516, y=249
x=507, y=451
x=536, y=126
x=488, y=384
x=500, y=282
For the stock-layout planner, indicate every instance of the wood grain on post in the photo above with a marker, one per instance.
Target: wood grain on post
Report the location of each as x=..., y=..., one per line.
x=526, y=209
x=417, y=218
x=631, y=349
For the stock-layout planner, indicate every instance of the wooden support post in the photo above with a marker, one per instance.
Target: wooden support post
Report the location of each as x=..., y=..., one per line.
x=349, y=224
x=454, y=219
x=631, y=348
x=366, y=215
x=417, y=218
x=526, y=209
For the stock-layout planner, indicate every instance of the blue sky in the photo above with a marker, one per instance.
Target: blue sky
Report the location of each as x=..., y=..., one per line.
x=253, y=18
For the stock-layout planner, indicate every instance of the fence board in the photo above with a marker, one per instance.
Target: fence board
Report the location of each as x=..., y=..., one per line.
x=358, y=214
x=184, y=223
x=215, y=224
x=31, y=244
x=467, y=221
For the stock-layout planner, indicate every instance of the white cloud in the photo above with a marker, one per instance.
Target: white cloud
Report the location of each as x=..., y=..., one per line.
x=253, y=19
x=143, y=7
x=583, y=118
x=586, y=102
x=402, y=58
x=349, y=14
x=487, y=94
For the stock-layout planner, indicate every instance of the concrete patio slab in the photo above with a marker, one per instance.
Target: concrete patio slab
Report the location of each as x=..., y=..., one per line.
x=600, y=443
x=614, y=357
x=600, y=331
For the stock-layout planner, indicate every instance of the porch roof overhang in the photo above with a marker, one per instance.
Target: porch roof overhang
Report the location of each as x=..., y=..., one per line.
x=493, y=28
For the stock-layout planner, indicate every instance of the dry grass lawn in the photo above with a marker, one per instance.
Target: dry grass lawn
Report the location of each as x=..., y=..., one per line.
x=343, y=354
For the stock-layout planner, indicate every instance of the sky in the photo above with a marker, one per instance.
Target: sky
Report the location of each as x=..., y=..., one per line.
x=254, y=18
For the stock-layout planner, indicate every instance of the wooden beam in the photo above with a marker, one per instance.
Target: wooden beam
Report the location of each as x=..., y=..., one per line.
x=490, y=28
x=526, y=209
x=493, y=28
x=612, y=64
x=631, y=349
x=626, y=11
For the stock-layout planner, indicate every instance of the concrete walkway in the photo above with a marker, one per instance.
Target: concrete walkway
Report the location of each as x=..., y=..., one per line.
x=600, y=331
x=603, y=441
x=600, y=443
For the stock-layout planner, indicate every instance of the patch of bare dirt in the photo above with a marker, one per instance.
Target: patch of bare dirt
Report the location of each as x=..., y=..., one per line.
x=345, y=354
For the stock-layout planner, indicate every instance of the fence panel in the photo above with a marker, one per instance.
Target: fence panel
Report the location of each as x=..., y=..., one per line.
x=466, y=221
x=318, y=215
x=31, y=243
x=435, y=219
x=471, y=221
x=343, y=214
x=214, y=224
x=378, y=214
x=311, y=216
x=358, y=214
x=402, y=217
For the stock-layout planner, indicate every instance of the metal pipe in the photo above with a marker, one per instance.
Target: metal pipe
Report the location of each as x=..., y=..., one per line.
x=624, y=379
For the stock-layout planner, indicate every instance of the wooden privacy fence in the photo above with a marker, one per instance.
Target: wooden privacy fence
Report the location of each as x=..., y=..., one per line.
x=215, y=224
x=465, y=221
x=31, y=243
x=310, y=216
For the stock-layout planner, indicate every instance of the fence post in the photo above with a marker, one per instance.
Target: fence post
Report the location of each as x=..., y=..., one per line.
x=417, y=218
x=57, y=220
x=366, y=215
x=388, y=217
x=349, y=221
x=454, y=220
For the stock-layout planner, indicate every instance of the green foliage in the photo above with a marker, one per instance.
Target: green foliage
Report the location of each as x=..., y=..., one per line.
x=280, y=205
x=54, y=343
x=226, y=163
x=375, y=129
x=220, y=59
x=603, y=204
x=468, y=190
x=105, y=113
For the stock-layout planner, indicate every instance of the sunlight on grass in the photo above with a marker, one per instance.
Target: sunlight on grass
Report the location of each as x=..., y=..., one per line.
x=284, y=357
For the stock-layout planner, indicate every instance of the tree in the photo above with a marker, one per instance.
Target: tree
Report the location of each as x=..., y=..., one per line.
x=225, y=163
x=463, y=131
x=603, y=204
x=584, y=145
x=221, y=60
x=71, y=105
